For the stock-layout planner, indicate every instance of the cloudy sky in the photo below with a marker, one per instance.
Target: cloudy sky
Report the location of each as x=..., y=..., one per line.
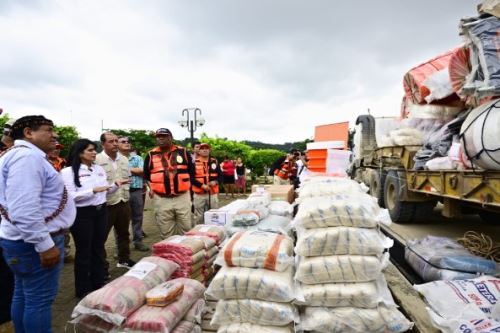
x=267, y=70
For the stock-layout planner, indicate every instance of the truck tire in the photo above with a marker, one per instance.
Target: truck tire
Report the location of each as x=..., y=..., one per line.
x=377, y=182
x=423, y=210
x=489, y=217
x=401, y=212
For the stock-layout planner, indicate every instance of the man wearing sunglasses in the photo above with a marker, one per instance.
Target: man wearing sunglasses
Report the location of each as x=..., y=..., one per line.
x=136, y=165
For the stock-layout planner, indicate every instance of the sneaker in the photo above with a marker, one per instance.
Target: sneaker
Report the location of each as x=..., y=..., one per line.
x=126, y=264
x=141, y=247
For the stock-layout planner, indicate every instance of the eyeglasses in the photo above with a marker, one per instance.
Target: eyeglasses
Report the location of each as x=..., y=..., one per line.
x=123, y=141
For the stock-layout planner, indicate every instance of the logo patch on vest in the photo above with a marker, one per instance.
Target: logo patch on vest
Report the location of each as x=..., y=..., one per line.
x=179, y=159
x=213, y=166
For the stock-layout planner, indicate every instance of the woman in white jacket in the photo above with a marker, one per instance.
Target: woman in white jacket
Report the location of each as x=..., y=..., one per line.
x=87, y=185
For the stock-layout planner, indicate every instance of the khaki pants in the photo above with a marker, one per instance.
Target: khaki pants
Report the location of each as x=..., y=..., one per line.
x=201, y=205
x=173, y=215
x=278, y=181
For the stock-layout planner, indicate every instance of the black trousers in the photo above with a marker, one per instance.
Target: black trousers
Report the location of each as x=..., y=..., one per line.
x=89, y=235
x=7, y=289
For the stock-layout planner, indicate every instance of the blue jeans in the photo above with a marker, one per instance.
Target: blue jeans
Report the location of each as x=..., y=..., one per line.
x=35, y=287
x=137, y=208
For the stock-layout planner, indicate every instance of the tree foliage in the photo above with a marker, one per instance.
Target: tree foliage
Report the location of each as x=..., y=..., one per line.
x=67, y=136
x=141, y=140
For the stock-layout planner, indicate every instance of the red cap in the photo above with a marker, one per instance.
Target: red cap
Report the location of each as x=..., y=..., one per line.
x=204, y=146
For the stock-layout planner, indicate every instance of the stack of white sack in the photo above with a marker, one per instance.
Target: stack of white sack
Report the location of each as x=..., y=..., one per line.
x=255, y=285
x=321, y=186
x=341, y=255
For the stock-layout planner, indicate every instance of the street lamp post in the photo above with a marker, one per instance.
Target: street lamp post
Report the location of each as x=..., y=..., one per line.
x=192, y=122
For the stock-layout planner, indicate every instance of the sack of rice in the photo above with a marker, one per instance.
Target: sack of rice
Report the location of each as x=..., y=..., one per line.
x=253, y=328
x=165, y=293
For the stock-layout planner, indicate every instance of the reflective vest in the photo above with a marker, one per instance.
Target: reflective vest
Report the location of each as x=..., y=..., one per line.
x=169, y=171
x=205, y=172
x=286, y=170
x=57, y=162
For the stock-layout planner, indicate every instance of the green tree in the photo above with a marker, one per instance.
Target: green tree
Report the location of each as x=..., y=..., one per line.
x=67, y=136
x=262, y=158
x=222, y=147
x=3, y=120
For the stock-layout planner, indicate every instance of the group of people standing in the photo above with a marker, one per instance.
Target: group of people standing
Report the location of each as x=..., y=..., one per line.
x=94, y=194
x=289, y=169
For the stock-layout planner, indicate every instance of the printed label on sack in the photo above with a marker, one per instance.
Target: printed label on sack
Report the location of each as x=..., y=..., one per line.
x=177, y=240
x=141, y=269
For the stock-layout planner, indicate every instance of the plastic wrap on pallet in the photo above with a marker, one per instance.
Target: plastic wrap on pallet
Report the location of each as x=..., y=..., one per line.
x=272, y=223
x=354, y=320
x=443, y=252
x=249, y=217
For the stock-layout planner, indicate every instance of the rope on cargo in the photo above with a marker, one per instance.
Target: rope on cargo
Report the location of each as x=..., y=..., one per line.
x=481, y=245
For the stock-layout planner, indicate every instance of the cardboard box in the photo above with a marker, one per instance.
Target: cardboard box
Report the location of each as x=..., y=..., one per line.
x=223, y=215
x=278, y=192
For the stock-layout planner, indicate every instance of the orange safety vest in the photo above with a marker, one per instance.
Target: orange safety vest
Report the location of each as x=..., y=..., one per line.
x=57, y=162
x=169, y=171
x=286, y=170
x=205, y=172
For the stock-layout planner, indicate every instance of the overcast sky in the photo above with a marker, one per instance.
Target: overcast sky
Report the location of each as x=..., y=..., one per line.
x=266, y=70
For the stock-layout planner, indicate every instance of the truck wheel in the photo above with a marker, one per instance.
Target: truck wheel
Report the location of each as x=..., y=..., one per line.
x=377, y=182
x=489, y=217
x=400, y=211
x=423, y=210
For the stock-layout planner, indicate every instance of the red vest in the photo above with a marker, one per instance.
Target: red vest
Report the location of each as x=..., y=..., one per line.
x=169, y=171
x=205, y=172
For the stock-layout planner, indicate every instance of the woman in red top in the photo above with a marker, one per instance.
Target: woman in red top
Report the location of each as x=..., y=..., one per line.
x=228, y=169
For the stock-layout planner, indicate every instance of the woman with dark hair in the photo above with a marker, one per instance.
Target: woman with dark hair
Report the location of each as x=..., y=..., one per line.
x=87, y=185
x=228, y=169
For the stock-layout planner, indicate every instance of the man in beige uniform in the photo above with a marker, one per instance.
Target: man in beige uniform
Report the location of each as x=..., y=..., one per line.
x=116, y=167
x=168, y=171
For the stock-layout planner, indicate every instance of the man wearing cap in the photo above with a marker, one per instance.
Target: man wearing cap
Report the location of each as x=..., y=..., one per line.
x=117, y=170
x=136, y=166
x=35, y=211
x=168, y=171
x=7, y=141
x=57, y=161
x=206, y=181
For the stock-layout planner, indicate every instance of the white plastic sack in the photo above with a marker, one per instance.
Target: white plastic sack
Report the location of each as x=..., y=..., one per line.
x=439, y=85
x=470, y=319
x=367, y=295
x=448, y=298
x=254, y=312
x=356, y=210
x=407, y=137
x=195, y=313
x=441, y=163
x=354, y=320
x=328, y=186
x=248, y=217
x=258, y=249
x=252, y=328
x=272, y=223
x=281, y=208
x=345, y=268
x=340, y=241
x=260, y=198
x=241, y=283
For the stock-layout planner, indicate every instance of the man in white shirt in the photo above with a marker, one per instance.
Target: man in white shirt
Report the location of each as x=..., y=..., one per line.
x=116, y=167
x=36, y=212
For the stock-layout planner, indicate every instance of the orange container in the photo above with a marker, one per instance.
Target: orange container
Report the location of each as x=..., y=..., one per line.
x=316, y=163
x=317, y=153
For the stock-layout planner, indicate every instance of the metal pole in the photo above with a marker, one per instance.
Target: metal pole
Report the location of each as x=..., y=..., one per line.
x=191, y=129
